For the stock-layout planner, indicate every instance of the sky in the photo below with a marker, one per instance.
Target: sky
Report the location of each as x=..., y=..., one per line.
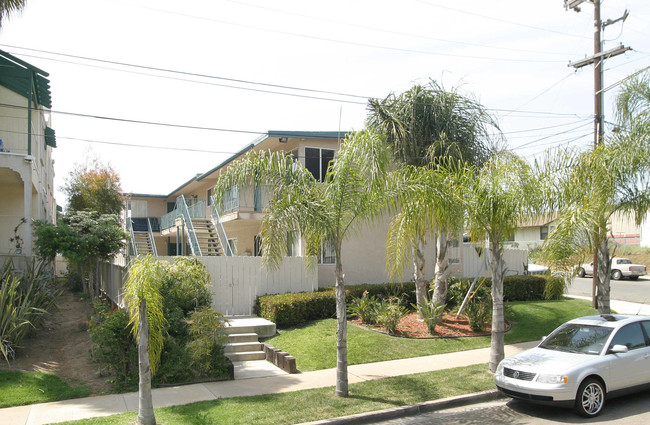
x=162, y=91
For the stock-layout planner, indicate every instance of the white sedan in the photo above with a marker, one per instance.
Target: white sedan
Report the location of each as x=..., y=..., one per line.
x=581, y=364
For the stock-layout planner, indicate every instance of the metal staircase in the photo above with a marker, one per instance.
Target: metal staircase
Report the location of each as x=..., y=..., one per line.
x=206, y=237
x=142, y=241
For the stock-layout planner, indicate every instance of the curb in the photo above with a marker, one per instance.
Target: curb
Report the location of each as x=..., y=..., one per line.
x=416, y=409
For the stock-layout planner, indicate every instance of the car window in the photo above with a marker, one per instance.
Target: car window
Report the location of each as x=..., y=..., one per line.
x=577, y=338
x=646, y=326
x=631, y=336
x=624, y=261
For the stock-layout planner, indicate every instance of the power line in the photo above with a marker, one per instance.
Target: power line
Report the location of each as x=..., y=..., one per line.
x=347, y=42
x=388, y=31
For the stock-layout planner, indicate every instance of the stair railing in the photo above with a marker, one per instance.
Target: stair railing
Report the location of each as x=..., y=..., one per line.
x=181, y=205
x=151, y=239
x=221, y=232
x=134, y=246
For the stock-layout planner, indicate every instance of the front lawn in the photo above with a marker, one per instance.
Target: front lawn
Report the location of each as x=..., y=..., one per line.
x=19, y=388
x=314, y=344
x=321, y=403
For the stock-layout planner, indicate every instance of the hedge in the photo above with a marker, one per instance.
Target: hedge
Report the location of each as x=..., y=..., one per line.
x=294, y=309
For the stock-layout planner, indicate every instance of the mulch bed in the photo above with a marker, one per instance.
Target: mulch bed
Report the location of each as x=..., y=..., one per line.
x=411, y=326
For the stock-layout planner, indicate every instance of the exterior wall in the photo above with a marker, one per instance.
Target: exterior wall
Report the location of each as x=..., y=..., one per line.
x=26, y=173
x=645, y=232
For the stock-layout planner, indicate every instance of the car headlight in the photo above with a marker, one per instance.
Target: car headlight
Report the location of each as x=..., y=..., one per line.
x=553, y=379
x=499, y=370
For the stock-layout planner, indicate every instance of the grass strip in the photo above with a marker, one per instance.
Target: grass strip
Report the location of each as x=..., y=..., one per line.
x=314, y=344
x=321, y=403
x=19, y=388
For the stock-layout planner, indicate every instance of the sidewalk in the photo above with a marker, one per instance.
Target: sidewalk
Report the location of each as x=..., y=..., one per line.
x=257, y=378
x=279, y=382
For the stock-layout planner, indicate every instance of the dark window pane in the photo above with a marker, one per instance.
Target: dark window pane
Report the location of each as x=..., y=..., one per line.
x=630, y=336
x=326, y=156
x=312, y=161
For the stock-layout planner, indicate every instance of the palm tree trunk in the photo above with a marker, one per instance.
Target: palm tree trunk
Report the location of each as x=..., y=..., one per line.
x=341, y=330
x=145, y=401
x=442, y=270
x=497, y=350
x=418, y=274
x=604, y=269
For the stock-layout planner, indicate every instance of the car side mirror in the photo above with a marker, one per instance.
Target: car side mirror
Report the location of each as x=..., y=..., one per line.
x=619, y=348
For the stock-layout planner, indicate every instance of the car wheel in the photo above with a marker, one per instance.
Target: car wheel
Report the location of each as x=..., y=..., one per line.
x=581, y=272
x=590, y=398
x=617, y=275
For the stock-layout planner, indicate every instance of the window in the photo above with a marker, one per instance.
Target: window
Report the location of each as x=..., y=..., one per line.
x=631, y=336
x=209, y=197
x=327, y=253
x=317, y=160
x=257, y=246
x=543, y=232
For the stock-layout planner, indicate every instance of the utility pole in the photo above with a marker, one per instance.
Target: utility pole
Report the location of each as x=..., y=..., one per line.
x=598, y=59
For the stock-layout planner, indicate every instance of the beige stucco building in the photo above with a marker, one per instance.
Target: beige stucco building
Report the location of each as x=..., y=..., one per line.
x=239, y=218
x=26, y=165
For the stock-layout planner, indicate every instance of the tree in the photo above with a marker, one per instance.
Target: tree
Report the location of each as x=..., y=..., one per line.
x=501, y=196
x=94, y=187
x=145, y=306
x=7, y=7
x=587, y=188
x=421, y=125
x=322, y=213
x=83, y=238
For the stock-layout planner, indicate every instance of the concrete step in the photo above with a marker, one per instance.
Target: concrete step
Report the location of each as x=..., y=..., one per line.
x=243, y=337
x=246, y=356
x=250, y=324
x=242, y=347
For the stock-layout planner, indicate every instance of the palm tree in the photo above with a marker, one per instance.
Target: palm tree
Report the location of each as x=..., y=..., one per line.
x=7, y=7
x=633, y=101
x=323, y=213
x=144, y=303
x=498, y=198
x=587, y=189
x=422, y=124
x=429, y=198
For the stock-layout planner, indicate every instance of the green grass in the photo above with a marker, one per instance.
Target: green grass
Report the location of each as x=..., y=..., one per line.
x=319, y=403
x=314, y=344
x=19, y=388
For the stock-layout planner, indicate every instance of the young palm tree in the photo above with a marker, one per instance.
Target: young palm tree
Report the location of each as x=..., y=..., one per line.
x=497, y=200
x=422, y=124
x=323, y=213
x=587, y=189
x=144, y=303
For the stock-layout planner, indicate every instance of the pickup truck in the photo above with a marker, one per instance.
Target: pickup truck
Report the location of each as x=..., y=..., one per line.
x=621, y=267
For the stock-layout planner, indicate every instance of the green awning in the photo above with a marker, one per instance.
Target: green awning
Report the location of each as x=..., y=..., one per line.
x=50, y=137
x=23, y=78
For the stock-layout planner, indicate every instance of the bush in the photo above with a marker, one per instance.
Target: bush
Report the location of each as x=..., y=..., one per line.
x=113, y=345
x=24, y=300
x=208, y=333
x=389, y=312
x=294, y=309
x=431, y=313
x=515, y=288
x=478, y=311
x=365, y=308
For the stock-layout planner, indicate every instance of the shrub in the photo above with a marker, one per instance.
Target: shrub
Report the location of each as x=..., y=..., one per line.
x=208, y=338
x=431, y=312
x=294, y=309
x=389, y=312
x=113, y=345
x=515, y=288
x=555, y=288
x=365, y=308
x=478, y=311
x=24, y=300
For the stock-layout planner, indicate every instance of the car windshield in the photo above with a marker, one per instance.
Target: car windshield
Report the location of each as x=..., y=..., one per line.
x=576, y=338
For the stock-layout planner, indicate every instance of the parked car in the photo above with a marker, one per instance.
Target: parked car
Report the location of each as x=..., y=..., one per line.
x=621, y=267
x=581, y=364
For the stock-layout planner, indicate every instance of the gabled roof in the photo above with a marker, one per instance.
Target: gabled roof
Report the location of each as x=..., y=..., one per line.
x=23, y=78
